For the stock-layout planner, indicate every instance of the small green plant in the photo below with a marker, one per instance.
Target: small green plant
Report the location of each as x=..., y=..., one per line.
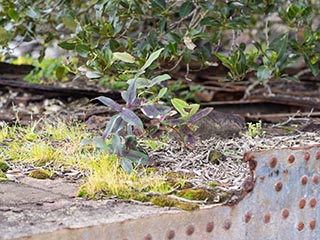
x=48, y=70
x=236, y=63
x=255, y=129
x=189, y=114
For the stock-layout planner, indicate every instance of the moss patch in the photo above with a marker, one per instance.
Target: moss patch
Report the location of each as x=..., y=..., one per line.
x=213, y=184
x=196, y=194
x=3, y=177
x=165, y=201
x=4, y=166
x=39, y=174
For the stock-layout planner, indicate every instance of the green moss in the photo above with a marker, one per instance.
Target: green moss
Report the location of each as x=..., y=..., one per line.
x=196, y=194
x=4, y=166
x=170, y=175
x=213, y=184
x=223, y=197
x=134, y=196
x=215, y=157
x=39, y=174
x=83, y=191
x=165, y=201
x=3, y=177
x=186, y=185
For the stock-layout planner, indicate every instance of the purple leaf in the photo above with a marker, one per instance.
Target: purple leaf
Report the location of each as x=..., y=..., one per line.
x=190, y=139
x=131, y=93
x=155, y=111
x=202, y=113
x=130, y=117
x=120, y=124
x=126, y=164
x=137, y=157
x=110, y=126
x=175, y=121
x=109, y=102
x=124, y=95
x=100, y=143
x=116, y=144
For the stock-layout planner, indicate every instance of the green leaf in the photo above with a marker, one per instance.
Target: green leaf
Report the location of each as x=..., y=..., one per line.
x=162, y=92
x=138, y=158
x=313, y=67
x=13, y=14
x=33, y=13
x=292, y=11
x=241, y=63
x=180, y=106
x=100, y=144
x=85, y=142
x=151, y=59
x=82, y=49
x=124, y=56
x=5, y=36
x=257, y=45
x=159, y=79
x=185, y=9
x=279, y=45
x=264, y=73
x=187, y=55
x=193, y=109
x=60, y=72
x=68, y=45
x=69, y=23
x=159, y=4
x=223, y=59
x=92, y=75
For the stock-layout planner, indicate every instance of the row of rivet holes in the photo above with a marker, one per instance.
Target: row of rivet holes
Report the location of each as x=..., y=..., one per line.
x=273, y=161
x=266, y=219
x=190, y=230
x=227, y=225
x=304, y=180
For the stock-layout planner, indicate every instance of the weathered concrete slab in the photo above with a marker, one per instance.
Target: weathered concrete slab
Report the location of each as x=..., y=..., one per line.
x=281, y=202
x=32, y=207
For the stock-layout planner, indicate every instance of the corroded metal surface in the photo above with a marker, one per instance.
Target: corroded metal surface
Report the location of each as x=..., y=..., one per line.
x=282, y=205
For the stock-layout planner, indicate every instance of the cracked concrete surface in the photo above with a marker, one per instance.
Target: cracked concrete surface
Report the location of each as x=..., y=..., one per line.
x=31, y=207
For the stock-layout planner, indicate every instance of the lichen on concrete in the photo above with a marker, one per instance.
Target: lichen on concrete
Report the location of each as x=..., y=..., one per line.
x=3, y=176
x=39, y=174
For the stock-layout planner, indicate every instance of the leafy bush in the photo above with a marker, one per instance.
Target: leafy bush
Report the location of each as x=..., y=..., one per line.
x=121, y=126
x=103, y=31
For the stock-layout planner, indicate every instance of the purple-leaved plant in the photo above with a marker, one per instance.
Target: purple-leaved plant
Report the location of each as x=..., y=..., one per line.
x=120, y=128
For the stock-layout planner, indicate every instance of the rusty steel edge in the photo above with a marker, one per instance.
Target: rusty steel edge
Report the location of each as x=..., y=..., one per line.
x=282, y=204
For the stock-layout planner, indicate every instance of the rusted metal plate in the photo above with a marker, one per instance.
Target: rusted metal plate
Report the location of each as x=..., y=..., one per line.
x=283, y=205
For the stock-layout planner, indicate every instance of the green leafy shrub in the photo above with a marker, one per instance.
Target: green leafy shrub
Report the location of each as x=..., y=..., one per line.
x=104, y=31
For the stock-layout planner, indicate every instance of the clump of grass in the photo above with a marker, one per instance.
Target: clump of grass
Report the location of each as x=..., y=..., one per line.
x=43, y=143
x=40, y=174
x=54, y=144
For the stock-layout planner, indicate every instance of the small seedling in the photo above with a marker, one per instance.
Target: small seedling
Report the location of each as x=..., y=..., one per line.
x=189, y=115
x=255, y=129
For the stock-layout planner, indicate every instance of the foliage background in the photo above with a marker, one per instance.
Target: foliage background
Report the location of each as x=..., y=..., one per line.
x=189, y=31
